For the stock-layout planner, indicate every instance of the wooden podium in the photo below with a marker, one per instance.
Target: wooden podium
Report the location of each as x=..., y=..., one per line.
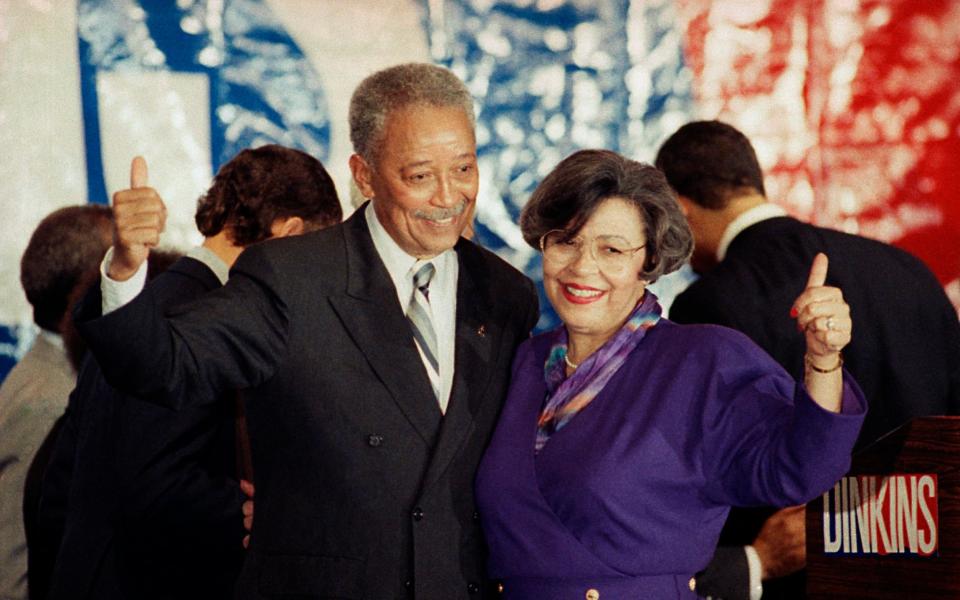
x=888, y=559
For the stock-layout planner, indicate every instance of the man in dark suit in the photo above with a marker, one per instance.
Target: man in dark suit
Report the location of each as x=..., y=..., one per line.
x=753, y=260
x=377, y=354
x=144, y=500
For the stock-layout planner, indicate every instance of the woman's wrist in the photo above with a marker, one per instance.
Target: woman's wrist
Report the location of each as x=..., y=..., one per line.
x=823, y=364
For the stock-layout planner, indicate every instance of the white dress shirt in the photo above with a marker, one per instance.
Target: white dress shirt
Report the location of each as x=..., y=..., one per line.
x=443, y=297
x=114, y=294
x=749, y=217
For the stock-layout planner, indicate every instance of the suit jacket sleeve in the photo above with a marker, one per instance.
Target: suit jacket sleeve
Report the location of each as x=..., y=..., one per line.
x=727, y=576
x=230, y=338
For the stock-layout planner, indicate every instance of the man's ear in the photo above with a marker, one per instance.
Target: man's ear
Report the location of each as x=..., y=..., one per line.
x=362, y=175
x=284, y=227
x=685, y=204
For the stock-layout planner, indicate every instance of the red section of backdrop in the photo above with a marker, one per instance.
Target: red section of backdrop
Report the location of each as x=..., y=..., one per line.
x=854, y=108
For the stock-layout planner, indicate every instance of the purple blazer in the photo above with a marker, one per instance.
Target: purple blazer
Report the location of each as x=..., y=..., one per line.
x=629, y=498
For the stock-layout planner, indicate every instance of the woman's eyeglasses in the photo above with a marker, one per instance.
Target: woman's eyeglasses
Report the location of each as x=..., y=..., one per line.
x=612, y=253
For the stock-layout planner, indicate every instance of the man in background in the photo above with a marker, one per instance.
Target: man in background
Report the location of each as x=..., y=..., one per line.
x=146, y=500
x=752, y=260
x=65, y=246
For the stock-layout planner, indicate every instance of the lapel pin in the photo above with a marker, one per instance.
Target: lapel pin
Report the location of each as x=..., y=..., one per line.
x=482, y=331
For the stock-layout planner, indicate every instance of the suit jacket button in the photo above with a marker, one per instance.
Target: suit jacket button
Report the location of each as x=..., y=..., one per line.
x=476, y=516
x=408, y=584
x=473, y=588
x=374, y=440
x=417, y=514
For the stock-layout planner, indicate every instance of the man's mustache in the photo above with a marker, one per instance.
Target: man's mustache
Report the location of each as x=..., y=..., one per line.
x=439, y=214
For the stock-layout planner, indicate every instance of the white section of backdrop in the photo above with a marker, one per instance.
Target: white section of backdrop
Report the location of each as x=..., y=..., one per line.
x=162, y=116
x=345, y=42
x=41, y=131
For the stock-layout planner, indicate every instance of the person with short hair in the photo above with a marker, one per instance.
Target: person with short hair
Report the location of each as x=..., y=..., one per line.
x=141, y=500
x=752, y=259
x=260, y=189
x=67, y=244
x=376, y=354
x=625, y=438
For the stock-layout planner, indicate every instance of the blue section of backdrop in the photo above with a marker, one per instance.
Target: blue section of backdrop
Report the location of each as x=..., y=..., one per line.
x=7, y=357
x=546, y=83
x=262, y=88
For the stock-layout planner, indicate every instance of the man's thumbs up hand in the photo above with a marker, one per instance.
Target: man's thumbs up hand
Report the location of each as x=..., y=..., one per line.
x=139, y=218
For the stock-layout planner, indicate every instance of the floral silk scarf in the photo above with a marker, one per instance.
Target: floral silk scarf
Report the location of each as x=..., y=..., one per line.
x=566, y=396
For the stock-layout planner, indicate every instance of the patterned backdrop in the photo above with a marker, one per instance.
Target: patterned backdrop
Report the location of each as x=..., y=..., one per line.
x=851, y=104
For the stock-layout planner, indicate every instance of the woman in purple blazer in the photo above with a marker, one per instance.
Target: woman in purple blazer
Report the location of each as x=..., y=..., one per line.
x=625, y=438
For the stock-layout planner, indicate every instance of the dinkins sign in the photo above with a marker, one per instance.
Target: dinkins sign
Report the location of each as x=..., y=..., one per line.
x=873, y=514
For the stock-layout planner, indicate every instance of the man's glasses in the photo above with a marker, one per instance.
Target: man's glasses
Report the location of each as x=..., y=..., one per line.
x=612, y=253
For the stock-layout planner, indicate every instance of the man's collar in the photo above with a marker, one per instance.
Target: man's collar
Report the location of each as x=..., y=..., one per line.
x=749, y=217
x=394, y=258
x=54, y=339
x=213, y=262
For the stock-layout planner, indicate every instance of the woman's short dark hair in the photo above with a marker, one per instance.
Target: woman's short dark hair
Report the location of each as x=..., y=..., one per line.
x=66, y=245
x=569, y=195
x=259, y=186
x=711, y=163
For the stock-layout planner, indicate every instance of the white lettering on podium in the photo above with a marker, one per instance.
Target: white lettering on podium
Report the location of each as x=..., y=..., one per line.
x=928, y=544
x=831, y=544
x=897, y=517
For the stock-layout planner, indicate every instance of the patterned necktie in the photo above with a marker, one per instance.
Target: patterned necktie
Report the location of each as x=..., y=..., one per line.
x=418, y=313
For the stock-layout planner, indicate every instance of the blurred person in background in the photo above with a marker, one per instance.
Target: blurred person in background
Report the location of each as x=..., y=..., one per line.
x=65, y=246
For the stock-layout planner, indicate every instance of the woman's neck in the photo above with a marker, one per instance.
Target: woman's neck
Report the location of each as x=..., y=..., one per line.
x=580, y=347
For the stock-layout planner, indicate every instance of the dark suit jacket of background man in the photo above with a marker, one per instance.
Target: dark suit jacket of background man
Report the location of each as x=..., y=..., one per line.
x=144, y=500
x=905, y=352
x=364, y=489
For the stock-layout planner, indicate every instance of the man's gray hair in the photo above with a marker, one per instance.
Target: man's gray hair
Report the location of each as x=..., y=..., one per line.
x=395, y=88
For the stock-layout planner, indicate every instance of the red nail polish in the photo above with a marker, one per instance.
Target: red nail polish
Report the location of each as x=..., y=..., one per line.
x=793, y=312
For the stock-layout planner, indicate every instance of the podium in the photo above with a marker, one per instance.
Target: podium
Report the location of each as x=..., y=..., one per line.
x=891, y=528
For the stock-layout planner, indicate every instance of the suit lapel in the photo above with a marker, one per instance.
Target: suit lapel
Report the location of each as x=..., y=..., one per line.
x=475, y=339
x=375, y=321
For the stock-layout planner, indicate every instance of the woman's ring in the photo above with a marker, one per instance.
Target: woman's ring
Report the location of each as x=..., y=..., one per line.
x=830, y=324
